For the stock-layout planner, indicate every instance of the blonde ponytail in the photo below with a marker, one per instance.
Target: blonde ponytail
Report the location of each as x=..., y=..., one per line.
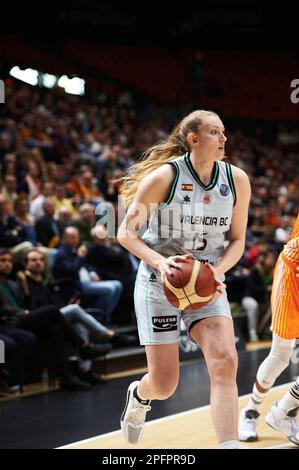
x=161, y=153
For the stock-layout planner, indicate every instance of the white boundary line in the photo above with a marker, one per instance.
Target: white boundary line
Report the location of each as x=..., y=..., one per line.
x=283, y=446
x=170, y=417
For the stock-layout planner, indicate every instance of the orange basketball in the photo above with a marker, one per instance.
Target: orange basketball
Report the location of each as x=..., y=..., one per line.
x=191, y=286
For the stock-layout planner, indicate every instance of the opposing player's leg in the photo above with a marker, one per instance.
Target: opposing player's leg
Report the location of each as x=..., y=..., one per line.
x=282, y=415
x=285, y=327
x=275, y=363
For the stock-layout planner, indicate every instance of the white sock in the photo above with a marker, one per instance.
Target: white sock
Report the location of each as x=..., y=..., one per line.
x=229, y=445
x=291, y=399
x=256, y=399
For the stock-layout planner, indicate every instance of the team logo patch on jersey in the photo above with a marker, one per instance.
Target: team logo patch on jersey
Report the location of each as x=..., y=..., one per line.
x=206, y=199
x=153, y=277
x=165, y=323
x=186, y=200
x=224, y=190
x=187, y=187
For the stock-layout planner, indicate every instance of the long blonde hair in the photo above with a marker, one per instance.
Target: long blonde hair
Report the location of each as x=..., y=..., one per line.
x=161, y=153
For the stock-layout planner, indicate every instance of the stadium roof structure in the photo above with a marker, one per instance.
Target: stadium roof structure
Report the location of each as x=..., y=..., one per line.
x=215, y=24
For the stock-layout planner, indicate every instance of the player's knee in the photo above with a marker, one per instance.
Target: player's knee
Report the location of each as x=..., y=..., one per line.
x=276, y=362
x=282, y=349
x=164, y=387
x=164, y=391
x=224, y=366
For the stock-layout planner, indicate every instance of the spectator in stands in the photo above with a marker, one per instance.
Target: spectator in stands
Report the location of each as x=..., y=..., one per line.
x=113, y=262
x=11, y=232
x=258, y=248
x=62, y=201
x=36, y=206
x=19, y=346
x=85, y=222
x=9, y=164
x=40, y=291
x=32, y=183
x=6, y=145
x=283, y=232
x=46, y=322
x=9, y=189
x=70, y=265
x=109, y=185
x=52, y=172
x=89, y=188
x=47, y=229
x=257, y=293
x=74, y=186
x=64, y=218
x=24, y=218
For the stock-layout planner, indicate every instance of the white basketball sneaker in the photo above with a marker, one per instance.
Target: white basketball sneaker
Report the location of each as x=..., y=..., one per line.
x=133, y=417
x=286, y=423
x=247, y=425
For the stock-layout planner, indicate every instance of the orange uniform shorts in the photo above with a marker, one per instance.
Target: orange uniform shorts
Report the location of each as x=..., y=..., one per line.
x=285, y=299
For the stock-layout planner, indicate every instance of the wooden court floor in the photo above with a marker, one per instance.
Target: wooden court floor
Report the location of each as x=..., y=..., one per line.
x=190, y=430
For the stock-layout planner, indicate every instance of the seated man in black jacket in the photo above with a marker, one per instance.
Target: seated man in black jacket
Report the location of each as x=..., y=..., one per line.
x=70, y=266
x=46, y=322
x=112, y=262
x=11, y=232
x=38, y=291
x=47, y=228
x=19, y=346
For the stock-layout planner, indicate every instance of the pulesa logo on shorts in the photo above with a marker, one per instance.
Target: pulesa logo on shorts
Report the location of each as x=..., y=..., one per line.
x=165, y=323
x=224, y=190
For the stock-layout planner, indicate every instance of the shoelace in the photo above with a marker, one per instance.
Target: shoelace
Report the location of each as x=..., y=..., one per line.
x=137, y=414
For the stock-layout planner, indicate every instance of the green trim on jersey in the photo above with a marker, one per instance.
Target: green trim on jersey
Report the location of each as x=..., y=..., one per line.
x=174, y=183
x=231, y=181
x=215, y=173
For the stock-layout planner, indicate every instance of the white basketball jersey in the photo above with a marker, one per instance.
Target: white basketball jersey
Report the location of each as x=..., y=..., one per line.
x=195, y=217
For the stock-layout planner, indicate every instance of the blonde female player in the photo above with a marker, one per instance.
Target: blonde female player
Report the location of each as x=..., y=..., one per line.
x=207, y=198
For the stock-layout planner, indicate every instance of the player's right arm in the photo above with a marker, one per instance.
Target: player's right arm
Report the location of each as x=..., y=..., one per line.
x=153, y=190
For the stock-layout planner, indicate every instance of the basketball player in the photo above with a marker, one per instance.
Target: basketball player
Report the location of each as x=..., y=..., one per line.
x=178, y=174
x=285, y=328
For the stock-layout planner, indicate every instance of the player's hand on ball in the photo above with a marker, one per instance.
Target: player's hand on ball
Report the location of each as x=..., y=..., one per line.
x=166, y=263
x=220, y=289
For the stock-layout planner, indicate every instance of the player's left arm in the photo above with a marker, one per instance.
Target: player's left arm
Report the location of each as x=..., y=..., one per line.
x=235, y=248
